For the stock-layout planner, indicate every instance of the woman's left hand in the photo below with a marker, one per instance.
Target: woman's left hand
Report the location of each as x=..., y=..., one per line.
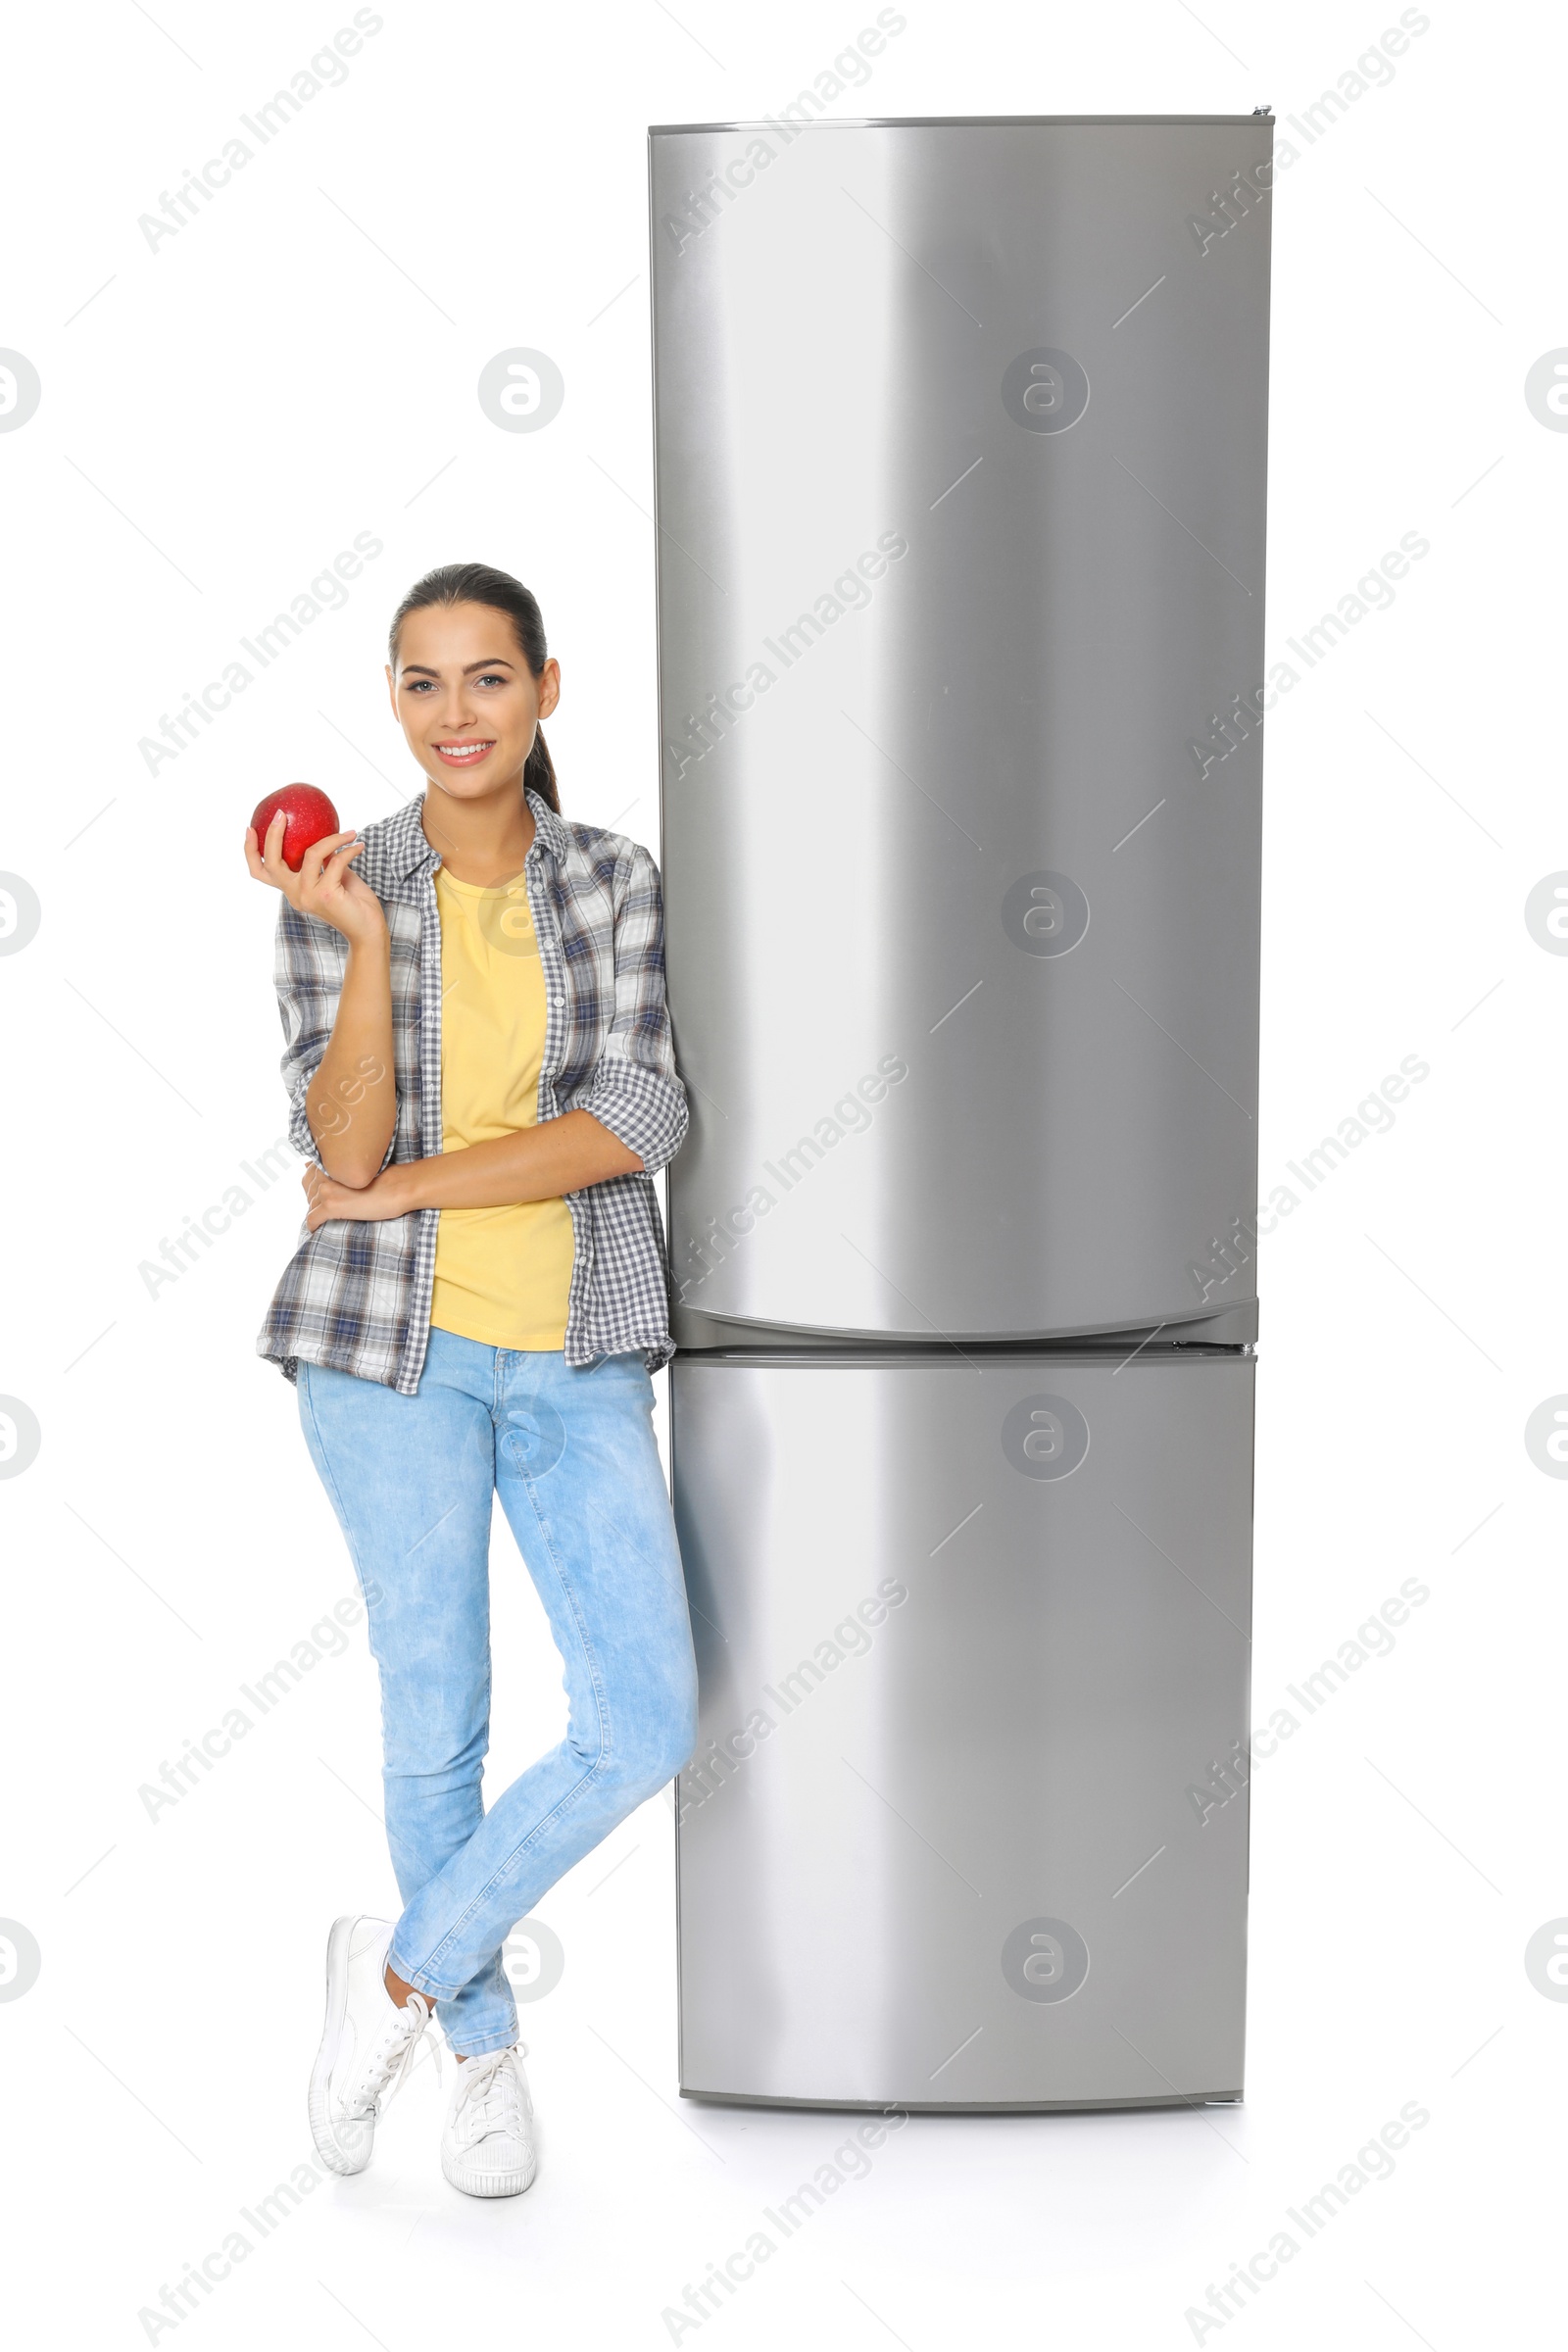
x=327, y=1198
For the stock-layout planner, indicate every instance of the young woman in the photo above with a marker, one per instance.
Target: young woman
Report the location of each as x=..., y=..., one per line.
x=480, y=1073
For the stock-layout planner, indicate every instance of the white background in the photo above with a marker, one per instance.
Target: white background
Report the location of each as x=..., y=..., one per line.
x=219, y=417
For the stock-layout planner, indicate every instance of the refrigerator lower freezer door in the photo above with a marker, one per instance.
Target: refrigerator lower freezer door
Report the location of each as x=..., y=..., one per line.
x=967, y=1824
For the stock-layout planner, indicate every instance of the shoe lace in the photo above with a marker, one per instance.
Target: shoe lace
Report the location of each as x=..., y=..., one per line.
x=391, y=2055
x=489, y=2094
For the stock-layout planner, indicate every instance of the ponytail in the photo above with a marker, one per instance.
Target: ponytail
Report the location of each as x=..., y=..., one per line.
x=539, y=773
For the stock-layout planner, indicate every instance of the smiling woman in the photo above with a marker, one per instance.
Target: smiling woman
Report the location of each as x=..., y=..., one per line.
x=502, y=693
x=475, y=1308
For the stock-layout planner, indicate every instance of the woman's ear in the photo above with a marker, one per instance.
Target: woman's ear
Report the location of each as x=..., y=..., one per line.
x=548, y=687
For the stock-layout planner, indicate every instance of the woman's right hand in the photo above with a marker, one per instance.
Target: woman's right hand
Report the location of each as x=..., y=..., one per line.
x=325, y=886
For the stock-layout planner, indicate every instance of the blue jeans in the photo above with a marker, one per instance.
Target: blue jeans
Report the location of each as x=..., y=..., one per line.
x=573, y=1458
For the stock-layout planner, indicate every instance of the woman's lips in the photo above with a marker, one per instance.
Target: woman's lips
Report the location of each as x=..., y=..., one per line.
x=465, y=754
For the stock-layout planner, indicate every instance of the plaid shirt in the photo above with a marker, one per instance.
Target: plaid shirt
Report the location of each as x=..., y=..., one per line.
x=357, y=1295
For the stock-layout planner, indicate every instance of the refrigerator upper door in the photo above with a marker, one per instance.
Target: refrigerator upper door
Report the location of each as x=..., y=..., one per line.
x=966, y=1819
x=960, y=504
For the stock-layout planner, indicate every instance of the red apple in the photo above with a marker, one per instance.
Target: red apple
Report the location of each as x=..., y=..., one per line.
x=310, y=816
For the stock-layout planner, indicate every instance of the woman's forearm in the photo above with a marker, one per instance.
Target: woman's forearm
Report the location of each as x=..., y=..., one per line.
x=534, y=1163
x=350, y=1102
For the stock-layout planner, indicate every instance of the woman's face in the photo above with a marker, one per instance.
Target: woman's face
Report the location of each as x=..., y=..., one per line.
x=464, y=699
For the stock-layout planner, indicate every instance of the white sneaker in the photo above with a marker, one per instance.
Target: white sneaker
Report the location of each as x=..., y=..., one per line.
x=487, y=2146
x=367, y=2043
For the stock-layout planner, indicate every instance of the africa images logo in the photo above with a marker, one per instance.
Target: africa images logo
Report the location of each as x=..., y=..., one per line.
x=19, y=913
x=522, y=390
x=19, y=390
x=1045, y=914
x=20, y=1435
x=1044, y=1960
x=1045, y=1436
x=1046, y=391
x=20, y=1960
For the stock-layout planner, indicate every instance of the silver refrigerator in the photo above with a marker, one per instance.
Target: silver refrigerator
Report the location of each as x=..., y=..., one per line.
x=960, y=443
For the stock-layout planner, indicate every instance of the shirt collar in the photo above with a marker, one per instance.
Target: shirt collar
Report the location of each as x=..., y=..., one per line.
x=548, y=827
x=403, y=849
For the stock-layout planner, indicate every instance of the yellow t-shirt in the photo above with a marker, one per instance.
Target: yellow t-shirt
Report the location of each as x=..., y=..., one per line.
x=502, y=1275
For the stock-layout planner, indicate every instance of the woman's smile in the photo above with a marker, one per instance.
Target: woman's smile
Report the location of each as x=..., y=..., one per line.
x=466, y=752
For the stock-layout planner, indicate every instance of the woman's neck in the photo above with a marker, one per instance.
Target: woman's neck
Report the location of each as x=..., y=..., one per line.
x=483, y=841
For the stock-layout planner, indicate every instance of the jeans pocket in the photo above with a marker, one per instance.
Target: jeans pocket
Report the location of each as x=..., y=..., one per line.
x=626, y=1376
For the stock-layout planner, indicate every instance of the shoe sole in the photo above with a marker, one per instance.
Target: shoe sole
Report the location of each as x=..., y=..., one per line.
x=490, y=2185
x=327, y=2146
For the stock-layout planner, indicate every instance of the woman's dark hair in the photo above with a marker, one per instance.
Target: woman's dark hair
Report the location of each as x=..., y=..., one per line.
x=483, y=584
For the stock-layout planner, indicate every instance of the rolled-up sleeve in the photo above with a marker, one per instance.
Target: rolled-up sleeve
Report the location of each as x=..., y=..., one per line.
x=635, y=1090
x=309, y=962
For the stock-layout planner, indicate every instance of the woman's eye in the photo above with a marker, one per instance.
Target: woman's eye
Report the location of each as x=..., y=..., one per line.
x=492, y=680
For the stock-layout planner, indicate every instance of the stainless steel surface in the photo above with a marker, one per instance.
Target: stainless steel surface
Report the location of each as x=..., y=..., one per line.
x=912, y=1824
x=1234, y=1326
x=963, y=930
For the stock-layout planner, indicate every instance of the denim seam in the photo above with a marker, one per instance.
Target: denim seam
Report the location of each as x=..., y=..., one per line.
x=345, y=1522
x=506, y=2042
x=595, y=1770
x=425, y=1981
x=564, y=1581
x=343, y=1519
x=416, y=1977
